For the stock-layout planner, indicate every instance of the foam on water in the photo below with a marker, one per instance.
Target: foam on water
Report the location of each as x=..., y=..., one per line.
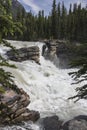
x=48, y=86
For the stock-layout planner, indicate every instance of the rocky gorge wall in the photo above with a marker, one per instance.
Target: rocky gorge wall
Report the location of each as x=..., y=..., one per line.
x=62, y=51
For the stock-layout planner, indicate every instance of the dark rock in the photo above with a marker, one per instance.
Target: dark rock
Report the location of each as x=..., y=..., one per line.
x=66, y=52
x=22, y=54
x=20, y=111
x=35, y=115
x=78, y=123
x=26, y=116
x=52, y=123
x=60, y=52
x=83, y=117
x=49, y=50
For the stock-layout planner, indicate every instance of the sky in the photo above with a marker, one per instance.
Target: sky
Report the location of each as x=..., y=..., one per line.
x=46, y=5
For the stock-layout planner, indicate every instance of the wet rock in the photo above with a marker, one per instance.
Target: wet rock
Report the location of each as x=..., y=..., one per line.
x=20, y=111
x=22, y=54
x=52, y=123
x=66, y=52
x=49, y=50
x=26, y=116
x=13, y=108
x=78, y=123
x=35, y=115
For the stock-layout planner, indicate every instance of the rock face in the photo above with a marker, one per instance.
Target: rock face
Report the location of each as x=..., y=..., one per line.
x=22, y=54
x=49, y=50
x=17, y=6
x=61, y=51
x=13, y=108
x=66, y=53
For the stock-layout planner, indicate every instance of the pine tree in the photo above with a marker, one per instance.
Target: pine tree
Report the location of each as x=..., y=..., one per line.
x=6, y=26
x=80, y=75
x=58, y=21
x=5, y=18
x=63, y=21
x=70, y=24
x=40, y=24
x=54, y=20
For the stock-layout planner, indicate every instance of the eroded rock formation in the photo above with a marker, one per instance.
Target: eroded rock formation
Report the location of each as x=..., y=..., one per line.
x=22, y=54
x=49, y=49
x=61, y=51
x=13, y=108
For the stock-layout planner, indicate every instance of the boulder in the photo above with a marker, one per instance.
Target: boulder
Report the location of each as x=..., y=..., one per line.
x=22, y=54
x=52, y=123
x=78, y=123
x=13, y=108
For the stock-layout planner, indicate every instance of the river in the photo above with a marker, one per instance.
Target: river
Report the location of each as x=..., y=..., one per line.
x=48, y=86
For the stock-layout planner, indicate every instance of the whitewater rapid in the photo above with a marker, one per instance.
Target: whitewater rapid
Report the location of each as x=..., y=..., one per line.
x=48, y=86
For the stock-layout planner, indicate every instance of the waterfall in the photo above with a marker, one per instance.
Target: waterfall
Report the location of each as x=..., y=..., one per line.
x=48, y=86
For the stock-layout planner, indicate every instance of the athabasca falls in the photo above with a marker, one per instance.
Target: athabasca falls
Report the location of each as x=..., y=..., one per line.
x=48, y=86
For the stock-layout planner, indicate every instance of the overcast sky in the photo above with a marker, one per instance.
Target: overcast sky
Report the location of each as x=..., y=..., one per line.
x=46, y=5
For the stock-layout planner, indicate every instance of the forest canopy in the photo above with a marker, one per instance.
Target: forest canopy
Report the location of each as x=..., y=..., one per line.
x=61, y=23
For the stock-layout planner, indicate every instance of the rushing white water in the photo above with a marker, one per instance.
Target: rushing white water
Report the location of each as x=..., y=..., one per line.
x=48, y=86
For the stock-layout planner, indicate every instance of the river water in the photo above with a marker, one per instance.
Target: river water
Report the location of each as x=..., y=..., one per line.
x=48, y=86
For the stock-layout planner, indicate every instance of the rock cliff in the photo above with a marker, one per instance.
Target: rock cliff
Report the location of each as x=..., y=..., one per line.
x=13, y=107
x=22, y=54
x=63, y=52
x=49, y=50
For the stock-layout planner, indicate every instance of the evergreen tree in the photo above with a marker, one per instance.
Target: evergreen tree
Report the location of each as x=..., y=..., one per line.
x=54, y=20
x=58, y=21
x=63, y=21
x=5, y=18
x=80, y=75
x=40, y=24
x=70, y=24
x=57, y=25
x=6, y=26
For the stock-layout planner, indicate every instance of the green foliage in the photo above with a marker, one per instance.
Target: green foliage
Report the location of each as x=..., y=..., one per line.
x=5, y=18
x=7, y=44
x=6, y=26
x=54, y=20
x=80, y=75
x=6, y=77
x=2, y=90
x=59, y=24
